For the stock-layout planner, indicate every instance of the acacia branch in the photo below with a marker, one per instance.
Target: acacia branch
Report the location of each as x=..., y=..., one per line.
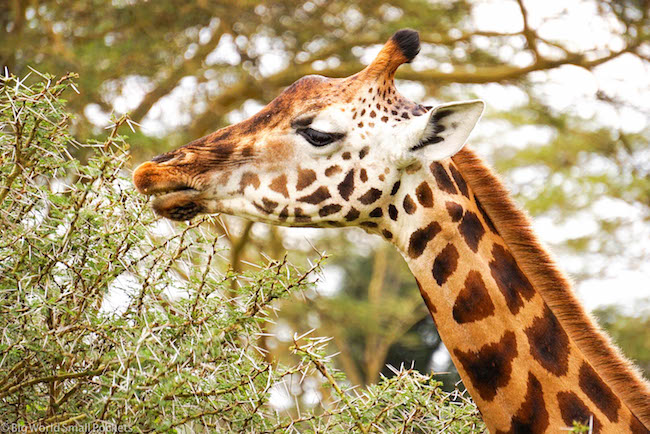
x=60, y=377
x=529, y=34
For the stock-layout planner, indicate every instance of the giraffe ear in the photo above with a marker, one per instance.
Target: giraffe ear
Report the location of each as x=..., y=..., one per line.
x=447, y=129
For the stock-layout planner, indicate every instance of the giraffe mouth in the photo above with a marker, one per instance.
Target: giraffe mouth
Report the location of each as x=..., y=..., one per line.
x=162, y=192
x=179, y=204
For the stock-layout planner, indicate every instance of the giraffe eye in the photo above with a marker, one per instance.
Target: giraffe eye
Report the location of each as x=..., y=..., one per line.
x=319, y=138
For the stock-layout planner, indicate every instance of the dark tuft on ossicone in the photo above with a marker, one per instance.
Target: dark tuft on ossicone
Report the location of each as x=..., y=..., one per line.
x=408, y=42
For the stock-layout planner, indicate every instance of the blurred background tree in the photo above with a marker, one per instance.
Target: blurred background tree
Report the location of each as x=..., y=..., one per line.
x=568, y=91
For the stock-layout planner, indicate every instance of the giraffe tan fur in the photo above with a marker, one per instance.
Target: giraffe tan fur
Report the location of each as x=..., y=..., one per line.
x=538, y=265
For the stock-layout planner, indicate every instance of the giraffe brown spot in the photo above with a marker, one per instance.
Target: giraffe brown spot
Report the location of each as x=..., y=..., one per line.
x=445, y=264
x=346, y=187
x=267, y=206
x=329, y=210
x=247, y=151
x=370, y=196
x=387, y=234
x=549, y=343
x=392, y=212
x=377, y=212
x=455, y=211
x=532, y=416
x=574, y=410
x=413, y=168
x=279, y=185
x=284, y=213
x=369, y=224
x=424, y=195
x=409, y=205
x=321, y=194
x=373, y=114
x=405, y=115
x=305, y=178
x=363, y=175
x=360, y=125
x=363, y=112
x=427, y=298
x=346, y=156
x=223, y=178
x=418, y=110
x=352, y=215
x=473, y=302
x=421, y=237
x=489, y=368
x=598, y=392
x=471, y=229
x=299, y=216
x=442, y=178
x=384, y=118
x=486, y=218
x=333, y=170
x=395, y=188
x=364, y=151
x=247, y=179
x=460, y=181
x=510, y=279
x=636, y=427
x=219, y=154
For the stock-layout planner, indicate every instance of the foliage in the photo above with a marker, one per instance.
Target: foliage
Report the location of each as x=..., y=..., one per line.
x=106, y=319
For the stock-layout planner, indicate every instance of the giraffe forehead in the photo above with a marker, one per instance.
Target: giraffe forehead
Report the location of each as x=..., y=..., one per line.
x=373, y=117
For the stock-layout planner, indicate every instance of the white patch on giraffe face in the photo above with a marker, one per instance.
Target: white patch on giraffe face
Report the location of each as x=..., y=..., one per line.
x=389, y=141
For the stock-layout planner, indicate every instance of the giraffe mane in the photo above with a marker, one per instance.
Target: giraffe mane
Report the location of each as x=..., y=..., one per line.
x=554, y=287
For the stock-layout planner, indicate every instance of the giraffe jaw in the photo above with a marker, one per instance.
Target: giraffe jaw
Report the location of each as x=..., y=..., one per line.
x=183, y=204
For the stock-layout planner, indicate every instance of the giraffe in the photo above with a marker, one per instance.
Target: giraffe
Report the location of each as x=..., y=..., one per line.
x=354, y=152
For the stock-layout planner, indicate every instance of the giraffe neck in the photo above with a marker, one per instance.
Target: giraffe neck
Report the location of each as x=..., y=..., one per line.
x=525, y=371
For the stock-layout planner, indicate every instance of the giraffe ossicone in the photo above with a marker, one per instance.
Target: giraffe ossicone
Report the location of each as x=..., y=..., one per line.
x=354, y=152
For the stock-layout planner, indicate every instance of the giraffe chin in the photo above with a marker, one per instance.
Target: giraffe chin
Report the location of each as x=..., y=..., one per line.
x=180, y=205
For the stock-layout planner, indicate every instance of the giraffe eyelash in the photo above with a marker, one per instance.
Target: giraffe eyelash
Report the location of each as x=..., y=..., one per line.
x=319, y=138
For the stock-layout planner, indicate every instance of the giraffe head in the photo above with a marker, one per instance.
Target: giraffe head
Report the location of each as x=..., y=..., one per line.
x=324, y=152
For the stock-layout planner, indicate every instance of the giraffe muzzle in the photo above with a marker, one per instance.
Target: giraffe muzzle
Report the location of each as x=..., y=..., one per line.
x=174, y=197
